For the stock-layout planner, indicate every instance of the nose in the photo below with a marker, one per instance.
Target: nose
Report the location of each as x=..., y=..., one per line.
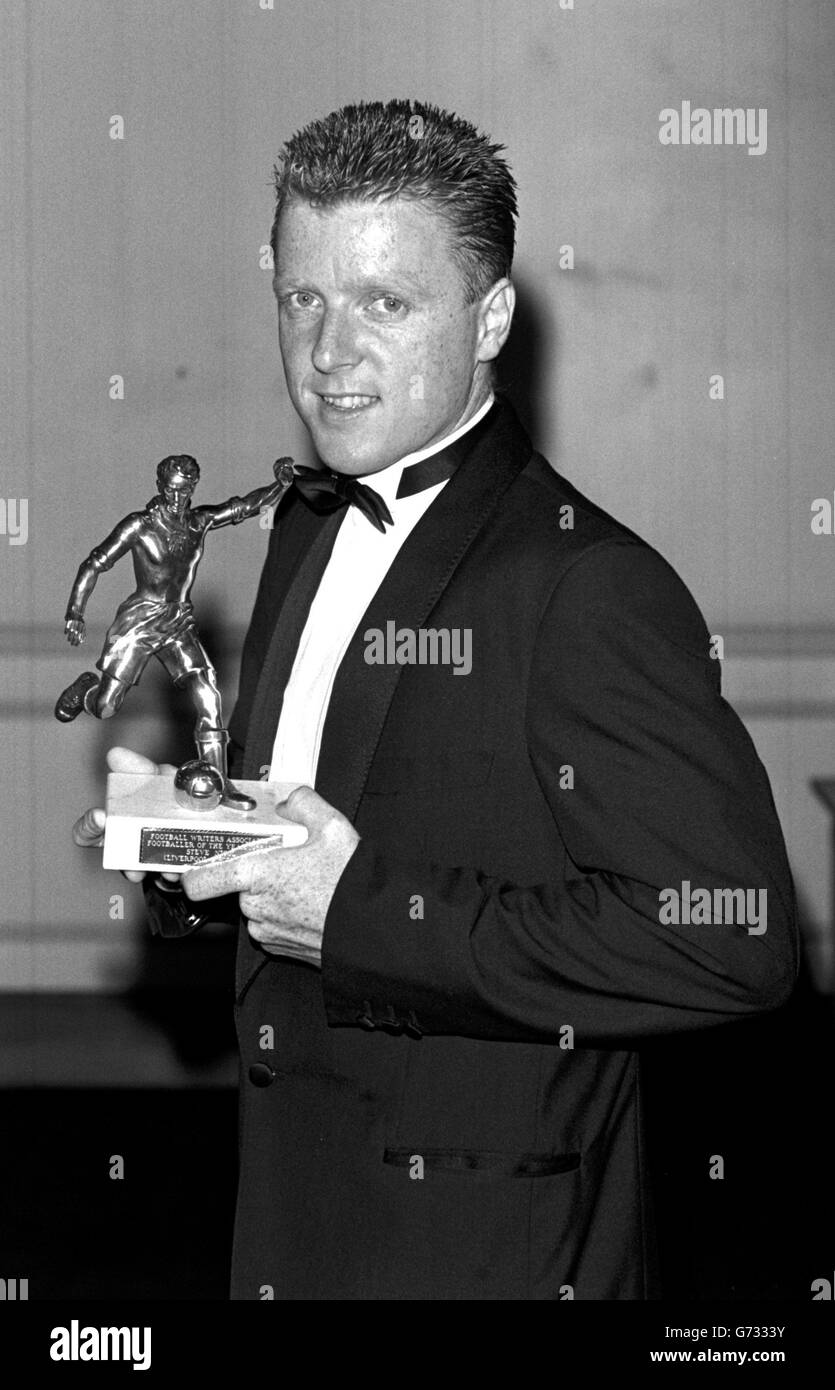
x=336, y=344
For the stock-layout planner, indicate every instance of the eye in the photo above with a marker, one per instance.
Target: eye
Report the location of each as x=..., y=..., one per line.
x=389, y=306
x=299, y=301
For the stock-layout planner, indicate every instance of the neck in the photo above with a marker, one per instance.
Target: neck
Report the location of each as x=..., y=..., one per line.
x=481, y=391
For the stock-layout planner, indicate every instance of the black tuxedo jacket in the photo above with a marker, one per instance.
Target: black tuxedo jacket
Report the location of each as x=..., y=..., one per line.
x=450, y=1109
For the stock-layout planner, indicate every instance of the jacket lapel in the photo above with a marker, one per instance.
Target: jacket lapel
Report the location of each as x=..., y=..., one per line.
x=421, y=571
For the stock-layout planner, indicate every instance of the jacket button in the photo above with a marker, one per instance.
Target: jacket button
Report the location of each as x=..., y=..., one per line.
x=261, y=1075
x=364, y=1018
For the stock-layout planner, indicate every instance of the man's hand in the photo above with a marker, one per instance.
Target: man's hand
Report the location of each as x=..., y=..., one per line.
x=88, y=830
x=74, y=631
x=285, y=893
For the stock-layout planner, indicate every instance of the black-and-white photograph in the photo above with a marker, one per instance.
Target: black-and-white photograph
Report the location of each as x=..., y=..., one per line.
x=418, y=665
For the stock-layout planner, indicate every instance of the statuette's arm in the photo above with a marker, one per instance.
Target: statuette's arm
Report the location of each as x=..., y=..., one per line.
x=103, y=557
x=238, y=509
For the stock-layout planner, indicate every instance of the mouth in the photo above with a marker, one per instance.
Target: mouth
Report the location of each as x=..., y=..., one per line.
x=346, y=405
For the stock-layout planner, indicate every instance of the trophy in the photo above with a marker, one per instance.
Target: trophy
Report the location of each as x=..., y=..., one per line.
x=157, y=822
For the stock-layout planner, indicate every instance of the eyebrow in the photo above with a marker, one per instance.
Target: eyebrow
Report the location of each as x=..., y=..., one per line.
x=397, y=280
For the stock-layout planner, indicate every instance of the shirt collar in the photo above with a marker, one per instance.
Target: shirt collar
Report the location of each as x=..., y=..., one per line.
x=387, y=480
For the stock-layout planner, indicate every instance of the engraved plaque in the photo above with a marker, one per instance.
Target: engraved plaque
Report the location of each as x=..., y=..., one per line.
x=147, y=829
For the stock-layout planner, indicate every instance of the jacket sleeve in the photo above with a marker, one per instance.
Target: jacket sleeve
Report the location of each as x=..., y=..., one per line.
x=668, y=794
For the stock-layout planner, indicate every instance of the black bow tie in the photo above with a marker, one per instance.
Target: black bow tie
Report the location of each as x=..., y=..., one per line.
x=326, y=491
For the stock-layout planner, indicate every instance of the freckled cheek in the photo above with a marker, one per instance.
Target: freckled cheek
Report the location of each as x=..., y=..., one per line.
x=288, y=343
x=296, y=349
x=444, y=360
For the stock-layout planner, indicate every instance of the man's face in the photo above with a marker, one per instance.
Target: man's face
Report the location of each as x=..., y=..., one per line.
x=381, y=353
x=177, y=494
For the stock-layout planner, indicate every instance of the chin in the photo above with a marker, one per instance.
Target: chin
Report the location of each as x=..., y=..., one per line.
x=353, y=464
x=354, y=458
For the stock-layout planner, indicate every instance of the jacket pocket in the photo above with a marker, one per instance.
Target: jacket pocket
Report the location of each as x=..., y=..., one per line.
x=491, y=1163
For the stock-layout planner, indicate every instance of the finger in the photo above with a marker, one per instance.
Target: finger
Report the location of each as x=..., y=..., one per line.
x=259, y=907
x=290, y=950
x=250, y=905
x=215, y=880
x=126, y=760
x=253, y=856
x=275, y=934
x=88, y=830
x=307, y=807
x=137, y=876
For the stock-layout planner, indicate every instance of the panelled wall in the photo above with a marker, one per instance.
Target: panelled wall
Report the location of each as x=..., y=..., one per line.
x=645, y=271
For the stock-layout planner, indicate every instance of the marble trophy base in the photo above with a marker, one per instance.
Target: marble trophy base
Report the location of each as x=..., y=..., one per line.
x=147, y=829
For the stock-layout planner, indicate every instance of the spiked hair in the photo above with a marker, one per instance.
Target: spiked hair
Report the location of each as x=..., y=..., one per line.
x=407, y=149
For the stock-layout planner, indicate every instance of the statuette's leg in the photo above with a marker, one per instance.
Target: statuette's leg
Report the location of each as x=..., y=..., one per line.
x=211, y=745
x=100, y=696
x=71, y=701
x=107, y=699
x=210, y=735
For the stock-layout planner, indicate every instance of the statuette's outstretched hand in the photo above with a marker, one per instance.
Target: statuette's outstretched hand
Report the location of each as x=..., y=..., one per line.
x=74, y=631
x=283, y=470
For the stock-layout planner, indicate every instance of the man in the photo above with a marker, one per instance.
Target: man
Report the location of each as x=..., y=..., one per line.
x=439, y=994
x=166, y=541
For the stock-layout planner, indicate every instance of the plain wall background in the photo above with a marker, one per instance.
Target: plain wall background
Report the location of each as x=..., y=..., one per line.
x=142, y=257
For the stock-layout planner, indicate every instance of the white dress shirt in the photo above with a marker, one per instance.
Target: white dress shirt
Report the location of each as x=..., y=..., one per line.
x=358, y=564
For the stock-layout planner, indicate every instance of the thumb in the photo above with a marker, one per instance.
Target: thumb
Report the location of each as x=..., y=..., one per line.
x=125, y=760
x=89, y=828
x=307, y=807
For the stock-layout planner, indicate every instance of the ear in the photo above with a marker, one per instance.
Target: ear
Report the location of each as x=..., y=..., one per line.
x=495, y=314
